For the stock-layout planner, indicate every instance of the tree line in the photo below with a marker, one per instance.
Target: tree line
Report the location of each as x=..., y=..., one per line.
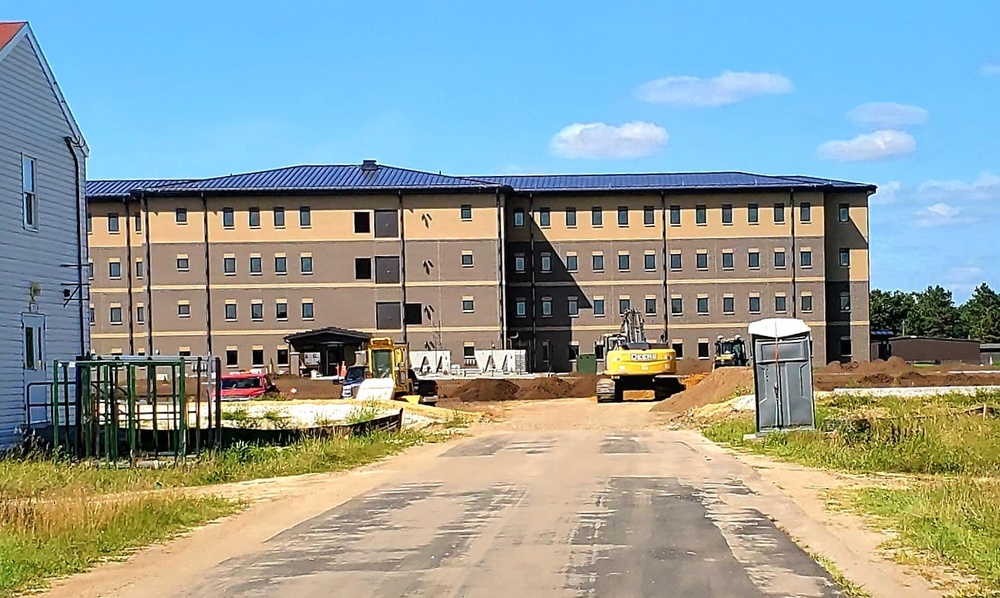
x=933, y=312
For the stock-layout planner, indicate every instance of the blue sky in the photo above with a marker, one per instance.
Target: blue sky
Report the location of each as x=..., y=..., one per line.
x=191, y=89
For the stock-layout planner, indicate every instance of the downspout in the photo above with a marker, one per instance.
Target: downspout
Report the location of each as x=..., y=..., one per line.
x=208, y=276
x=534, y=294
x=149, y=274
x=128, y=276
x=501, y=266
x=72, y=144
x=794, y=297
x=665, y=267
x=402, y=263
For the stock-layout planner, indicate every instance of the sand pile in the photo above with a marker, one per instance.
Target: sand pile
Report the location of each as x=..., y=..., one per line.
x=720, y=385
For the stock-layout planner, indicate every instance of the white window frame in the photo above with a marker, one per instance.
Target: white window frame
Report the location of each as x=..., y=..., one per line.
x=29, y=194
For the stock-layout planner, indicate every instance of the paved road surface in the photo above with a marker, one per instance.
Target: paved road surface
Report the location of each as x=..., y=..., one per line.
x=565, y=512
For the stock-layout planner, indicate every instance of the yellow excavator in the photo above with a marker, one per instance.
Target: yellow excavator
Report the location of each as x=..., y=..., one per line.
x=635, y=364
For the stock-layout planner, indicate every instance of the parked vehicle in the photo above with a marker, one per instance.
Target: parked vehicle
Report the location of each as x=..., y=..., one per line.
x=246, y=386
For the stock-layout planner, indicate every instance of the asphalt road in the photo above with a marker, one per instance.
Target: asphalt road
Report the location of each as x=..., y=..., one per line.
x=574, y=512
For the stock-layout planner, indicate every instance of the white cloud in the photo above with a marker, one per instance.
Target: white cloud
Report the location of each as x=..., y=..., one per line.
x=941, y=214
x=991, y=69
x=727, y=88
x=880, y=144
x=986, y=187
x=635, y=139
x=888, y=115
x=887, y=193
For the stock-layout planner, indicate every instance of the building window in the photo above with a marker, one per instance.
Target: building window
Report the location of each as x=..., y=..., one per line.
x=571, y=263
x=598, y=306
x=754, y=306
x=727, y=213
x=228, y=218
x=546, y=307
x=90, y=223
x=843, y=213
x=702, y=349
x=544, y=218
x=753, y=260
x=306, y=264
x=574, y=351
x=624, y=304
x=114, y=223
x=114, y=270
x=282, y=357
x=845, y=301
x=231, y=312
x=92, y=315
x=675, y=261
x=753, y=213
x=180, y=215
x=362, y=223
x=806, y=258
x=701, y=260
x=256, y=265
x=780, y=304
x=805, y=212
x=648, y=216
x=468, y=305
x=845, y=257
x=467, y=259
x=623, y=262
x=185, y=352
x=116, y=314
x=140, y=314
x=675, y=215
x=521, y=308
x=279, y=222
x=727, y=260
x=137, y=222
x=676, y=306
x=702, y=306
x=90, y=270
x=253, y=217
x=622, y=216
x=387, y=269
x=518, y=218
x=596, y=217
x=29, y=198
x=280, y=264
x=779, y=258
x=807, y=303
x=570, y=217
x=845, y=346
x=597, y=262
x=232, y=358
x=183, y=263
x=573, y=307
x=307, y=310
x=650, y=306
x=281, y=310
x=519, y=262
x=546, y=351
x=140, y=270
x=305, y=216
x=546, y=262
x=386, y=224
x=700, y=215
x=779, y=213
x=678, y=347
x=229, y=265
x=649, y=262
x=466, y=212
x=728, y=305
x=257, y=311
x=413, y=314
x=183, y=310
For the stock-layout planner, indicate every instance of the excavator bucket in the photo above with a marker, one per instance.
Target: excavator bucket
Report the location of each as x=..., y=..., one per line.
x=376, y=389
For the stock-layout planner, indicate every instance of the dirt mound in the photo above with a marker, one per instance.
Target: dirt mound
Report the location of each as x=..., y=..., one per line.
x=534, y=389
x=482, y=389
x=583, y=386
x=718, y=386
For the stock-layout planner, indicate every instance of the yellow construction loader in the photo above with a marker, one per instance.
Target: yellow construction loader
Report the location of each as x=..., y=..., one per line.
x=635, y=364
x=729, y=352
x=388, y=375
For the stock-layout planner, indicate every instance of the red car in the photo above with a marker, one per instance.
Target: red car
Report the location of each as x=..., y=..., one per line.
x=243, y=387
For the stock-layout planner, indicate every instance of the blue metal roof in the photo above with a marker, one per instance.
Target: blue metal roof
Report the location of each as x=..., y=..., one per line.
x=120, y=188
x=658, y=181
x=339, y=177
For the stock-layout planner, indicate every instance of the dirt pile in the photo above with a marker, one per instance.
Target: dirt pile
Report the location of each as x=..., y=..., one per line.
x=720, y=385
x=484, y=389
x=530, y=389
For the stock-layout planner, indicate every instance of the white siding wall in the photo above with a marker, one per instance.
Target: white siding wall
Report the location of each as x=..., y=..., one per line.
x=31, y=121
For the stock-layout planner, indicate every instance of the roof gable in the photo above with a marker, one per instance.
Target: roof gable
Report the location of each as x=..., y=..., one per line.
x=13, y=32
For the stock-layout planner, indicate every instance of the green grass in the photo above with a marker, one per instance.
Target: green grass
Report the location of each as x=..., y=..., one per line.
x=949, y=511
x=72, y=532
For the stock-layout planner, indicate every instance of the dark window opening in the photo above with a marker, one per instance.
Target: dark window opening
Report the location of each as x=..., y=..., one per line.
x=362, y=223
x=362, y=268
x=702, y=349
x=413, y=314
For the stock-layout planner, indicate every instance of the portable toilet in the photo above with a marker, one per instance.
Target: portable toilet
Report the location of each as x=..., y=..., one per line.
x=783, y=380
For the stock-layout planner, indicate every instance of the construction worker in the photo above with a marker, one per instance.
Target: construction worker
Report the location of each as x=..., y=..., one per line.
x=718, y=346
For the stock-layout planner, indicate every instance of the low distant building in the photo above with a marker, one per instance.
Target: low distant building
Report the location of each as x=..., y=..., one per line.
x=989, y=354
x=925, y=349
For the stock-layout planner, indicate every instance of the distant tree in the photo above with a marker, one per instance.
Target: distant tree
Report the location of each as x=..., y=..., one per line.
x=889, y=310
x=981, y=314
x=934, y=314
